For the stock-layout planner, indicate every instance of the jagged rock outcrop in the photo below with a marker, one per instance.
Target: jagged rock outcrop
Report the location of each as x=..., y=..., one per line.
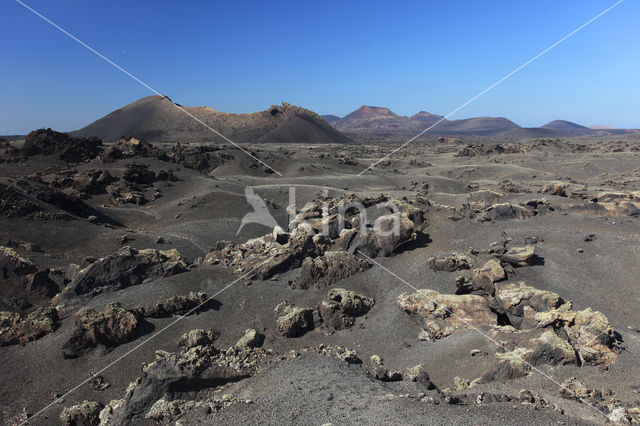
x=124, y=268
x=195, y=368
x=63, y=146
x=262, y=258
x=174, y=305
x=328, y=269
x=533, y=326
x=389, y=234
x=21, y=277
x=450, y=262
x=112, y=327
x=85, y=414
x=444, y=314
x=483, y=279
x=16, y=328
x=14, y=204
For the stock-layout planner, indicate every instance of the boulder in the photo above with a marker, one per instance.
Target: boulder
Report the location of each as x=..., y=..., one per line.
x=328, y=269
x=512, y=299
x=294, y=321
x=418, y=374
x=519, y=256
x=343, y=306
x=444, y=314
x=110, y=328
x=125, y=268
x=138, y=174
x=85, y=414
x=484, y=278
x=450, y=262
x=263, y=257
x=21, y=277
x=506, y=211
x=375, y=367
x=15, y=328
x=197, y=337
x=513, y=364
x=175, y=305
x=250, y=339
x=555, y=188
x=388, y=235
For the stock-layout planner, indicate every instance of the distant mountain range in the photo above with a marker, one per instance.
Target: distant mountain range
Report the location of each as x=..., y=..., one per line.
x=157, y=118
x=370, y=119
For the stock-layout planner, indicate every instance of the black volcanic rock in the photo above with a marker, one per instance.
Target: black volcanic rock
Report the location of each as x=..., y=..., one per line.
x=66, y=148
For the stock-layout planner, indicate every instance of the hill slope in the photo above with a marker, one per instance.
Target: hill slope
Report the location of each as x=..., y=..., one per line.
x=157, y=118
x=567, y=127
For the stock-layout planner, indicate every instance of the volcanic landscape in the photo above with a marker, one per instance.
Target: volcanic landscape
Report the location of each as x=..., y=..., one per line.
x=136, y=288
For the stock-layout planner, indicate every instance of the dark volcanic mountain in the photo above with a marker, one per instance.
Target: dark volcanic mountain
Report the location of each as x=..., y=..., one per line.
x=567, y=127
x=426, y=117
x=368, y=119
x=376, y=119
x=330, y=118
x=157, y=118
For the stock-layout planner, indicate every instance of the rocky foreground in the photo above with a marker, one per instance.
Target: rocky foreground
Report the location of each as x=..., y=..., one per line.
x=492, y=294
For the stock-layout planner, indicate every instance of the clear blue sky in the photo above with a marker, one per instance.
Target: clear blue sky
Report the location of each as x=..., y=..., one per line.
x=328, y=56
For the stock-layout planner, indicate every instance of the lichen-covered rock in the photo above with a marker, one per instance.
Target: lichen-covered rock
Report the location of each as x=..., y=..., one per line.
x=85, y=414
x=512, y=298
x=444, y=314
x=418, y=374
x=450, y=262
x=110, y=328
x=519, y=256
x=593, y=337
x=250, y=339
x=294, y=321
x=167, y=412
x=197, y=337
x=551, y=349
x=343, y=306
x=513, y=364
x=484, y=278
x=15, y=328
x=328, y=269
x=125, y=268
x=375, y=367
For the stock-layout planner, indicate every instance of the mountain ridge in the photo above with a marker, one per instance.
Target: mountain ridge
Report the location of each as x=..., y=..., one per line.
x=369, y=119
x=157, y=118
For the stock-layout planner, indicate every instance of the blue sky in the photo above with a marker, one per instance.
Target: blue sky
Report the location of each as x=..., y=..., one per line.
x=328, y=56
